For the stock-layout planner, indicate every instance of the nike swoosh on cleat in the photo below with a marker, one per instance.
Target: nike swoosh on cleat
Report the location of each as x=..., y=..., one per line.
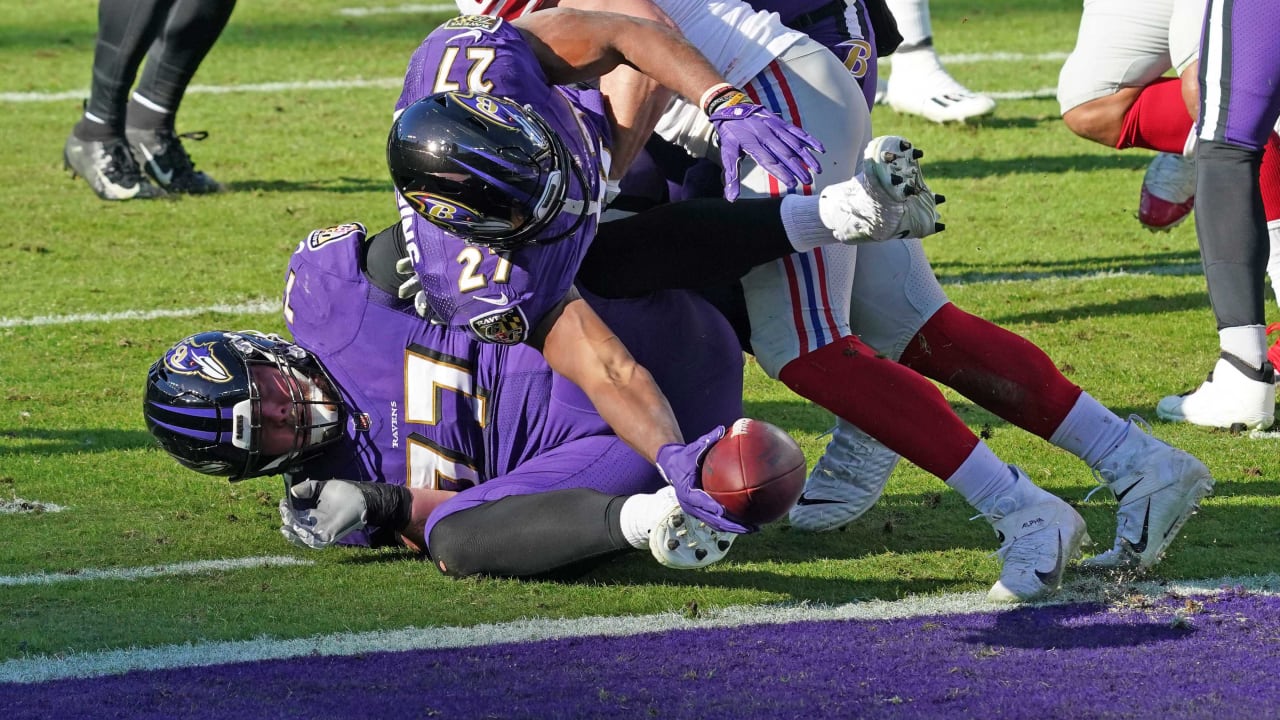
x=817, y=501
x=1141, y=546
x=1053, y=578
x=164, y=177
x=1120, y=495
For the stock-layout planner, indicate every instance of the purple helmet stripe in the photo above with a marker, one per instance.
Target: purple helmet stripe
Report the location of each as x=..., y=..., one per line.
x=209, y=412
x=197, y=434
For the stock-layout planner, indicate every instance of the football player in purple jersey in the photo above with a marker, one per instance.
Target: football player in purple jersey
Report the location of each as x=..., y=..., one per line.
x=387, y=428
x=501, y=169
x=1239, y=81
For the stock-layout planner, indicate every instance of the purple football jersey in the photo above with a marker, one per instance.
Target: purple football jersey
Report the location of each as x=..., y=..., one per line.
x=500, y=298
x=421, y=396
x=431, y=407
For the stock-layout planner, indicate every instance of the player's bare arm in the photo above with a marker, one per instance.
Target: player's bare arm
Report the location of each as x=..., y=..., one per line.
x=577, y=344
x=636, y=101
x=573, y=46
x=577, y=46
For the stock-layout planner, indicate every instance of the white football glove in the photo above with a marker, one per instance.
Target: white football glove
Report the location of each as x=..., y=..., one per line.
x=319, y=513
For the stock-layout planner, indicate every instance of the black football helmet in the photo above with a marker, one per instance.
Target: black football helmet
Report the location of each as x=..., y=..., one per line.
x=479, y=166
x=204, y=407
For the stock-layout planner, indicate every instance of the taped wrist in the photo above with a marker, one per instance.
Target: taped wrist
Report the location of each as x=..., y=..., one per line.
x=388, y=506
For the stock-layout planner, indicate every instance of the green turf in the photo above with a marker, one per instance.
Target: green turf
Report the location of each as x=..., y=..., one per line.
x=1121, y=311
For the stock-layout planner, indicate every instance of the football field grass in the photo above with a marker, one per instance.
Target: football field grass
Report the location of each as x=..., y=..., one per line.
x=99, y=526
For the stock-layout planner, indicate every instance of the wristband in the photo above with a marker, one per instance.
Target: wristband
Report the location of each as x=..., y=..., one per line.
x=387, y=505
x=713, y=98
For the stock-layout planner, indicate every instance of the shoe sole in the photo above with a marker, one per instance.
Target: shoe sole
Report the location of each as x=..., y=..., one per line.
x=672, y=529
x=1262, y=423
x=897, y=157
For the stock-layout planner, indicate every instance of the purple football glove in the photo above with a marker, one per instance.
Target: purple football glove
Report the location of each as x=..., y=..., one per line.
x=681, y=465
x=782, y=149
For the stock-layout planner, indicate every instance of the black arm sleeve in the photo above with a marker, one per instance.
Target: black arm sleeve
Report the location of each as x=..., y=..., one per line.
x=559, y=533
x=686, y=245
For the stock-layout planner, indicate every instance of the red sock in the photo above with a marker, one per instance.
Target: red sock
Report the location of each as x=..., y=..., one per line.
x=1158, y=119
x=1269, y=177
x=1000, y=371
x=893, y=404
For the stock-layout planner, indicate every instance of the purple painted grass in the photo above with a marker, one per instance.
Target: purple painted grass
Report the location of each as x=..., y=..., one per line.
x=1209, y=657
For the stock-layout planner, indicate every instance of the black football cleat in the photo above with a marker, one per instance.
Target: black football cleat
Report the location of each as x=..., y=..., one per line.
x=161, y=153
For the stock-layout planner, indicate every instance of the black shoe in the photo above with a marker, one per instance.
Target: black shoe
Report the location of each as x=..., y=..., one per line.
x=167, y=162
x=109, y=168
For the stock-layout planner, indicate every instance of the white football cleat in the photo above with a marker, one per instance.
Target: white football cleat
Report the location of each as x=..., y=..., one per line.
x=1158, y=487
x=1038, y=535
x=1235, y=396
x=888, y=199
x=1168, y=192
x=845, y=482
x=684, y=542
x=109, y=168
x=919, y=85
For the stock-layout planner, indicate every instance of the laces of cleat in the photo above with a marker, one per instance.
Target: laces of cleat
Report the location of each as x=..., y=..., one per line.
x=121, y=168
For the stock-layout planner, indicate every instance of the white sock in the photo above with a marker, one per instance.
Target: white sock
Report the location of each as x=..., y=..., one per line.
x=1089, y=431
x=1273, y=262
x=143, y=101
x=1247, y=342
x=640, y=513
x=912, y=17
x=803, y=223
x=983, y=478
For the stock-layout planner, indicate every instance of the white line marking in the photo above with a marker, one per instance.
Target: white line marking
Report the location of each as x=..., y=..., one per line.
x=249, y=307
x=393, y=83
x=113, y=662
x=139, y=573
x=254, y=307
x=398, y=10
x=386, y=83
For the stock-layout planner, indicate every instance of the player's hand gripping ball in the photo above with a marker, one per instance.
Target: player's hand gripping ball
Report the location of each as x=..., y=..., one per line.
x=756, y=472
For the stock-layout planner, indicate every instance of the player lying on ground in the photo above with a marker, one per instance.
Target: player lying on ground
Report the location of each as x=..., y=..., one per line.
x=476, y=453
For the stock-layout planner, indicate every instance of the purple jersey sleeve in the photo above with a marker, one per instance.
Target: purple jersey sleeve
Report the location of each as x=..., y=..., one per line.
x=502, y=298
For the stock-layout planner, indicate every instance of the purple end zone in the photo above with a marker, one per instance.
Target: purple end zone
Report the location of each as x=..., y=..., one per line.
x=1209, y=657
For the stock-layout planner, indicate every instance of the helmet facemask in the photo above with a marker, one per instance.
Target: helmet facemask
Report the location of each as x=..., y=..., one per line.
x=205, y=404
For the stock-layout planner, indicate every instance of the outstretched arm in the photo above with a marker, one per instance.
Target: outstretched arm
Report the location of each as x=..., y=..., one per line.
x=574, y=45
x=577, y=344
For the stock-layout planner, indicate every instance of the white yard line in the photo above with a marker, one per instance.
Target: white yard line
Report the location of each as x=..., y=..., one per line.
x=392, y=83
x=151, y=571
x=256, y=307
x=248, y=307
x=397, y=10
x=113, y=662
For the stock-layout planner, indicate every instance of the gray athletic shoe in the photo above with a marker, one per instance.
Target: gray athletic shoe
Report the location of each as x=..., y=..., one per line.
x=109, y=169
x=161, y=153
x=845, y=482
